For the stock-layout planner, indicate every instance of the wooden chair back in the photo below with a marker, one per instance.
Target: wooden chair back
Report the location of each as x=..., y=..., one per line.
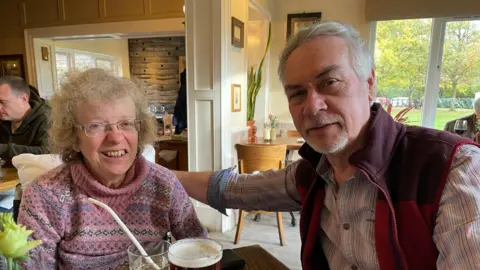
x=263, y=157
x=293, y=134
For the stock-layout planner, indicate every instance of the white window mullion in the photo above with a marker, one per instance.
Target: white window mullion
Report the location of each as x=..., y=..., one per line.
x=372, y=38
x=435, y=56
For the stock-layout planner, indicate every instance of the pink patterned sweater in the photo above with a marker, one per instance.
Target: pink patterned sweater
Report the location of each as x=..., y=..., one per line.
x=79, y=235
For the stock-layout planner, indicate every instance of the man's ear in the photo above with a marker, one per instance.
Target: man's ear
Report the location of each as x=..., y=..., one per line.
x=372, y=86
x=24, y=97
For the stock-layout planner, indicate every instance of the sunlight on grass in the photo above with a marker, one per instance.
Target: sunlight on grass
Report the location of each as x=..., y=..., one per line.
x=442, y=117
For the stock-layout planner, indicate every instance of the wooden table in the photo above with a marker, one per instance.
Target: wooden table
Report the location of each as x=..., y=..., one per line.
x=257, y=258
x=9, y=180
x=291, y=142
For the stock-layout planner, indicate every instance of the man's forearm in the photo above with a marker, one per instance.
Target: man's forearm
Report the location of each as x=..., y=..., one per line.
x=195, y=183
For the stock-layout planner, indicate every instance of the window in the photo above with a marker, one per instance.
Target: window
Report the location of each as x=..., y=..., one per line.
x=460, y=73
x=401, y=57
x=68, y=60
x=439, y=91
x=83, y=62
x=62, y=65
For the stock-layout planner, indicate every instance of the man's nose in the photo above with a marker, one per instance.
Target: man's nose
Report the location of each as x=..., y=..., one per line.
x=314, y=102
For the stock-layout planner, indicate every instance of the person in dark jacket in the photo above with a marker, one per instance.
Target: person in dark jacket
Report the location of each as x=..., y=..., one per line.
x=34, y=94
x=180, y=111
x=23, y=123
x=23, y=126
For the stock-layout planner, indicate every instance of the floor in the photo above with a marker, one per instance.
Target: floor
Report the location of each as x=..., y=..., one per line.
x=265, y=233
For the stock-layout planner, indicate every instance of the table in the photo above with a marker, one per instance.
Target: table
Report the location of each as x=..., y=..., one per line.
x=291, y=142
x=257, y=258
x=9, y=180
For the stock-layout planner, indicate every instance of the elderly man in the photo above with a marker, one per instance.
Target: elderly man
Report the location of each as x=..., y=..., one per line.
x=23, y=125
x=373, y=193
x=473, y=123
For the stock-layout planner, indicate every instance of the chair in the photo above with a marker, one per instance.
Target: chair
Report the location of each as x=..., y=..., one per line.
x=293, y=133
x=290, y=158
x=252, y=158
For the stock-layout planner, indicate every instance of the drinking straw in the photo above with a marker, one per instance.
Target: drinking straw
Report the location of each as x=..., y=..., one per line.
x=126, y=230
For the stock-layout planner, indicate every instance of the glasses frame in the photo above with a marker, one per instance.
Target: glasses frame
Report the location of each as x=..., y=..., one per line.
x=137, y=125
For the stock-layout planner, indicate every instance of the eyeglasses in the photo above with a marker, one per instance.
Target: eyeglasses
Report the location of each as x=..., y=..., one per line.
x=97, y=129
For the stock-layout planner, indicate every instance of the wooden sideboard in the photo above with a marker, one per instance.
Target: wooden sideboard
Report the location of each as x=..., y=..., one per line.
x=180, y=163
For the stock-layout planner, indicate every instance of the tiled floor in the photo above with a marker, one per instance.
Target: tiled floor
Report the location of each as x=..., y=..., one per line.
x=265, y=233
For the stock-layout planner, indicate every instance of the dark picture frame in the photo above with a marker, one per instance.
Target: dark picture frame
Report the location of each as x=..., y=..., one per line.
x=238, y=33
x=299, y=20
x=12, y=65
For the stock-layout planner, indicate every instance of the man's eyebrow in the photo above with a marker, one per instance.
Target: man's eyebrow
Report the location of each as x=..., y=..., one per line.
x=292, y=87
x=327, y=70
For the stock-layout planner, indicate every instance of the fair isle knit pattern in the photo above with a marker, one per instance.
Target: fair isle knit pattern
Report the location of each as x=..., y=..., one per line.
x=79, y=235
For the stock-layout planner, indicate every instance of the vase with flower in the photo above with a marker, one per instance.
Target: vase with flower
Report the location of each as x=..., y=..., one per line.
x=273, y=127
x=14, y=244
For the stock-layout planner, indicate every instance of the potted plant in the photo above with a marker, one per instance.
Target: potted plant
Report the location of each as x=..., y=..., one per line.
x=14, y=244
x=254, y=84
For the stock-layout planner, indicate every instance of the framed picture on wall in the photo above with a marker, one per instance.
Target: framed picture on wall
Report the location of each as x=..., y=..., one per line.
x=12, y=65
x=236, y=97
x=298, y=21
x=237, y=32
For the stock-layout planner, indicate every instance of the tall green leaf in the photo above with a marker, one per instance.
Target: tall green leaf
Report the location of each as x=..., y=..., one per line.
x=254, y=80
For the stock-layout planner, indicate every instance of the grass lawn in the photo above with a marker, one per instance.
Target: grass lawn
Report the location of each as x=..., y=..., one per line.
x=442, y=117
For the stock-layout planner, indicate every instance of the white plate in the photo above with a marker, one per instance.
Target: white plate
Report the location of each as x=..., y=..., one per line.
x=301, y=140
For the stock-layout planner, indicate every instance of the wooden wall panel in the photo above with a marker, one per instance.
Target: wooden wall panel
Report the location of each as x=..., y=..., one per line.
x=165, y=6
x=18, y=15
x=81, y=10
x=124, y=8
x=40, y=12
x=10, y=13
x=154, y=63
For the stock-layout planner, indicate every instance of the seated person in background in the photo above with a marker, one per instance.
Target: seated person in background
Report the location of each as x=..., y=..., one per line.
x=23, y=126
x=100, y=125
x=34, y=94
x=472, y=122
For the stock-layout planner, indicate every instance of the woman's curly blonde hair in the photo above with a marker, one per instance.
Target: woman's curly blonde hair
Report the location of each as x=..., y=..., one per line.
x=92, y=85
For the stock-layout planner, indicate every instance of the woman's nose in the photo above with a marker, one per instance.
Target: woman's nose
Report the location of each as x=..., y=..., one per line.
x=114, y=133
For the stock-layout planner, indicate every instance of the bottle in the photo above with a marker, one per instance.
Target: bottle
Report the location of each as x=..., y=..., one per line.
x=266, y=133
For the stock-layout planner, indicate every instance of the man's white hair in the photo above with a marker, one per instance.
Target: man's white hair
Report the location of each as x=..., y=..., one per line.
x=476, y=105
x=361, y=57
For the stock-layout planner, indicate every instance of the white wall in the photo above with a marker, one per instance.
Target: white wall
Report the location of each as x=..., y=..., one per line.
x=113, y=47
x=45, y=69
x=348, y=11
x=257, y=41
x=238, y=64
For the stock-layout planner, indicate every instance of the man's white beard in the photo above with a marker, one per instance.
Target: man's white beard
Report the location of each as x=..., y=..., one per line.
x=336, y=147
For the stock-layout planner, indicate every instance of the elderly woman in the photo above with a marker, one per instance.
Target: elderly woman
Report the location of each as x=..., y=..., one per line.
x=100, y=124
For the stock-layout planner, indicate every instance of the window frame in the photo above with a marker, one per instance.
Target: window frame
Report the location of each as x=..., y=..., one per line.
x=70, y=53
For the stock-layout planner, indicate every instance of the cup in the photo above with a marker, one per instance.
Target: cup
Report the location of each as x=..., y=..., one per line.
x=156, y=250
x=195, y=253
